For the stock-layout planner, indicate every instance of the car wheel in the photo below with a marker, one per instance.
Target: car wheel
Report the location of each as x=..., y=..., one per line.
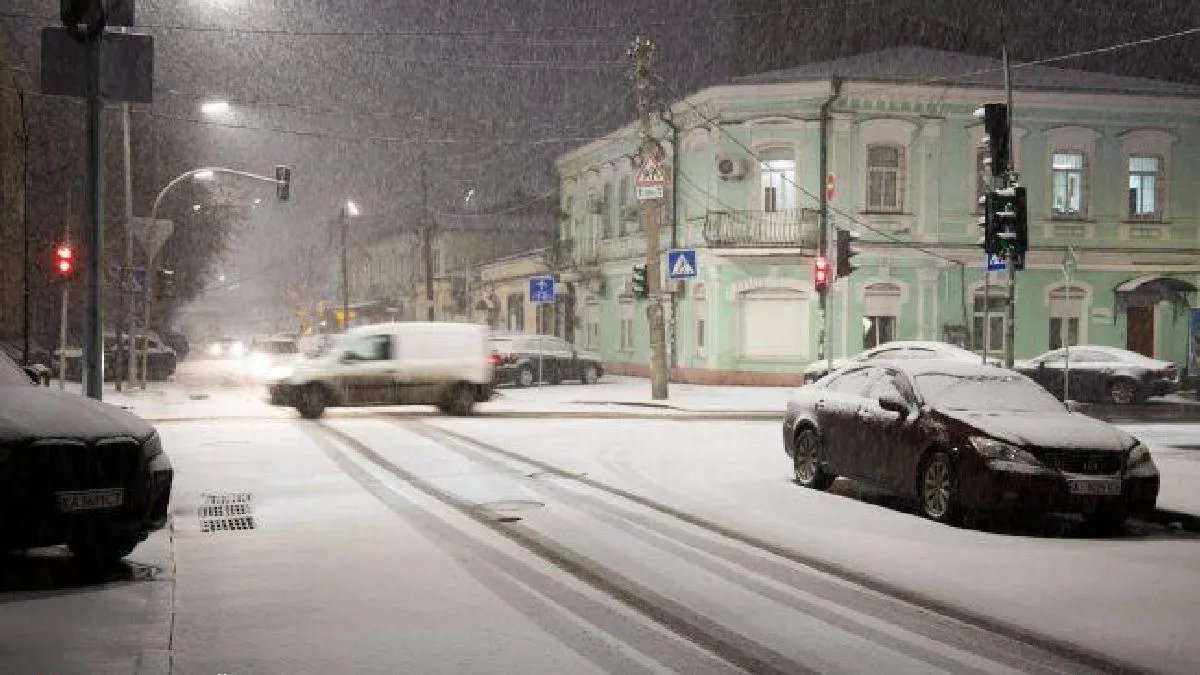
x=311, y=402
x=938, y=488
x=806, y=461
x=101, y=552
x=1123, y=392
x=589, y=375
x=525, y=377
x=1108, y=520
x=461, y=400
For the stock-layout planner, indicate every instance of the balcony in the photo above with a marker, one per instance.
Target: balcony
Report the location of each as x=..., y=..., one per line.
x=795, y=228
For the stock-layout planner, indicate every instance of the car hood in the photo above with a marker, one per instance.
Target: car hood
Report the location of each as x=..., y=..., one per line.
x=31, y=412
x=1046, y=430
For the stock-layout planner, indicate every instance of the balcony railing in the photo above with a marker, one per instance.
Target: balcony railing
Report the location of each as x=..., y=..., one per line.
x=795, y=228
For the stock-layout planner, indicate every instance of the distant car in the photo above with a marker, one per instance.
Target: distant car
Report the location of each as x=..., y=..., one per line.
x=269, y=354
x=227, y=348
x=410, y=363
x=965, y=438
x=518, y=357
x=76, y=471
x=899, y=349
x=1102, y=374
x=177, y=341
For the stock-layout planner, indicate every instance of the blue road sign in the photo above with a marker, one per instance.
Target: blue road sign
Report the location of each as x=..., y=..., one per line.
x=995, y=263
x=541, y=290
x=136, y=280
x=681, y=263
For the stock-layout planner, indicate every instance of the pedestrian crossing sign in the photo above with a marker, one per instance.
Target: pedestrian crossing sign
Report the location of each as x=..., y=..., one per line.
x=681, y=263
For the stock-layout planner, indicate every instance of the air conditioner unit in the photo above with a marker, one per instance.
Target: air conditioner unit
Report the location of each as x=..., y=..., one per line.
x=730, y=167
x=630, y=212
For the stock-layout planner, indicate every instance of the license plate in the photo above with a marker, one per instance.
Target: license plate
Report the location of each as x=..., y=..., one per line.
x=90, y=500
x=1094, y=487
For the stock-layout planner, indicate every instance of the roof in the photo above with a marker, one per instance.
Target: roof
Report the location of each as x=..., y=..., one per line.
x=946, y=366
x=921, y=65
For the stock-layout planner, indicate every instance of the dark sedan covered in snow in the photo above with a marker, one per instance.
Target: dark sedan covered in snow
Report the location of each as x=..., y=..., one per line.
x=963, y=439
x=76, y=471
x=1102, y=374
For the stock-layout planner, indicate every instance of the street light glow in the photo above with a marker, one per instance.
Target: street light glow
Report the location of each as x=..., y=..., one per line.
x=214, y=107
x=351, y=208
x=195, y=207
x=206, y=174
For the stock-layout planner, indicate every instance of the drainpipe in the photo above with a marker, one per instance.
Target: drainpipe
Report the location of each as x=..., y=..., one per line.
x=835, y=90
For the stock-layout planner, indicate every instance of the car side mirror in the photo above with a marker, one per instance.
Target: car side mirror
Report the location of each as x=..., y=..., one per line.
x=39, y=375
x=894, y=403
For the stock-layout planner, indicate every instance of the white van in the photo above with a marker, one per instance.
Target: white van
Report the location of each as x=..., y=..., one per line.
x=442, y=364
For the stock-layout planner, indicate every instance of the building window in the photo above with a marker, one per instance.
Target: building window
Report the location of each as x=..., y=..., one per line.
x=1144, y=199
x=1067, y=178
x=1066, y=314
x=608, y=211
x=515, y=306
x=885, y=175
x=881, y=307
x=778, y=177
x=627, y=333
x=773, y=323
x=994, y=319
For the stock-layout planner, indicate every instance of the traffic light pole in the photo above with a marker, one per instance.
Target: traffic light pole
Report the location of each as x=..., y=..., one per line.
x=62, y=336
x=1010, y=328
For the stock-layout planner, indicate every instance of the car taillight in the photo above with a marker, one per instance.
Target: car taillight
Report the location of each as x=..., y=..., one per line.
x=495, y=359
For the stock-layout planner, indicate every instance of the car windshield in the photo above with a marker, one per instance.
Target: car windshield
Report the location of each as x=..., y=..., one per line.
x=985, y=393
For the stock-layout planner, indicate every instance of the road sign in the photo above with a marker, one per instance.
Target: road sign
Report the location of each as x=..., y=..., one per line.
x=995, y=263
x=152, y=233
x=681, y=263
x=541, y=290
x=651, y=179
x=126, y=66
x=830, y=186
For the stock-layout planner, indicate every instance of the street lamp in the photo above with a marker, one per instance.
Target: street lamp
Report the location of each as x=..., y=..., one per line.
x=216, y=107
x=349, y=210
x=204, y=174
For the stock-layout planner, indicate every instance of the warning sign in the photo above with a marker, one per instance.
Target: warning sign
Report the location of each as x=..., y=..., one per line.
x=651, y=179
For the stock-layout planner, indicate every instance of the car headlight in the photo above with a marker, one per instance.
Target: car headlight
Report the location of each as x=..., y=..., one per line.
x=214, y=350
x=1139, y=455
x=151, y=447
x=990, y=448
x=237, y=349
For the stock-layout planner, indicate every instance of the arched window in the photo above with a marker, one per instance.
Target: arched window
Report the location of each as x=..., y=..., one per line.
x=881, y=309
x=1066, y=312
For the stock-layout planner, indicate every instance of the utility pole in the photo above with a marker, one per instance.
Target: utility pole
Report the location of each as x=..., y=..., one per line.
x=24, y=229
x=125, y=305
x=427, y=239
x=345, y=273
x=651, y=198
x=93, y=328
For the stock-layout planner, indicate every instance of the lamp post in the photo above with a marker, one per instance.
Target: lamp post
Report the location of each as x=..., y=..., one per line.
x=349, y=210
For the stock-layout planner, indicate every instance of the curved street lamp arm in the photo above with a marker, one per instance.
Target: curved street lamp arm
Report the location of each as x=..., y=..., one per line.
x=213, y=169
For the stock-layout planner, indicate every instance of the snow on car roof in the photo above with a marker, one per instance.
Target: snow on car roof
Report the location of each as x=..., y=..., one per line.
x=944, y=366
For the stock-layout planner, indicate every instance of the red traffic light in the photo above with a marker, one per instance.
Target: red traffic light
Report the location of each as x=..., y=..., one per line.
x=64, y=260
x=821, y=273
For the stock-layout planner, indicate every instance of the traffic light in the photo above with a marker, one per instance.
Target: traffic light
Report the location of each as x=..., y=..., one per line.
x=846, y=253
x=64, y=261
x=283, y=188
x=995, y=125
x=640, y=289
x=1009, y=212
x=821, y=273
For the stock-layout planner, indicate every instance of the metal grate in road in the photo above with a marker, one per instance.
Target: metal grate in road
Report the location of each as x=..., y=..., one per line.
x=226, y=512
